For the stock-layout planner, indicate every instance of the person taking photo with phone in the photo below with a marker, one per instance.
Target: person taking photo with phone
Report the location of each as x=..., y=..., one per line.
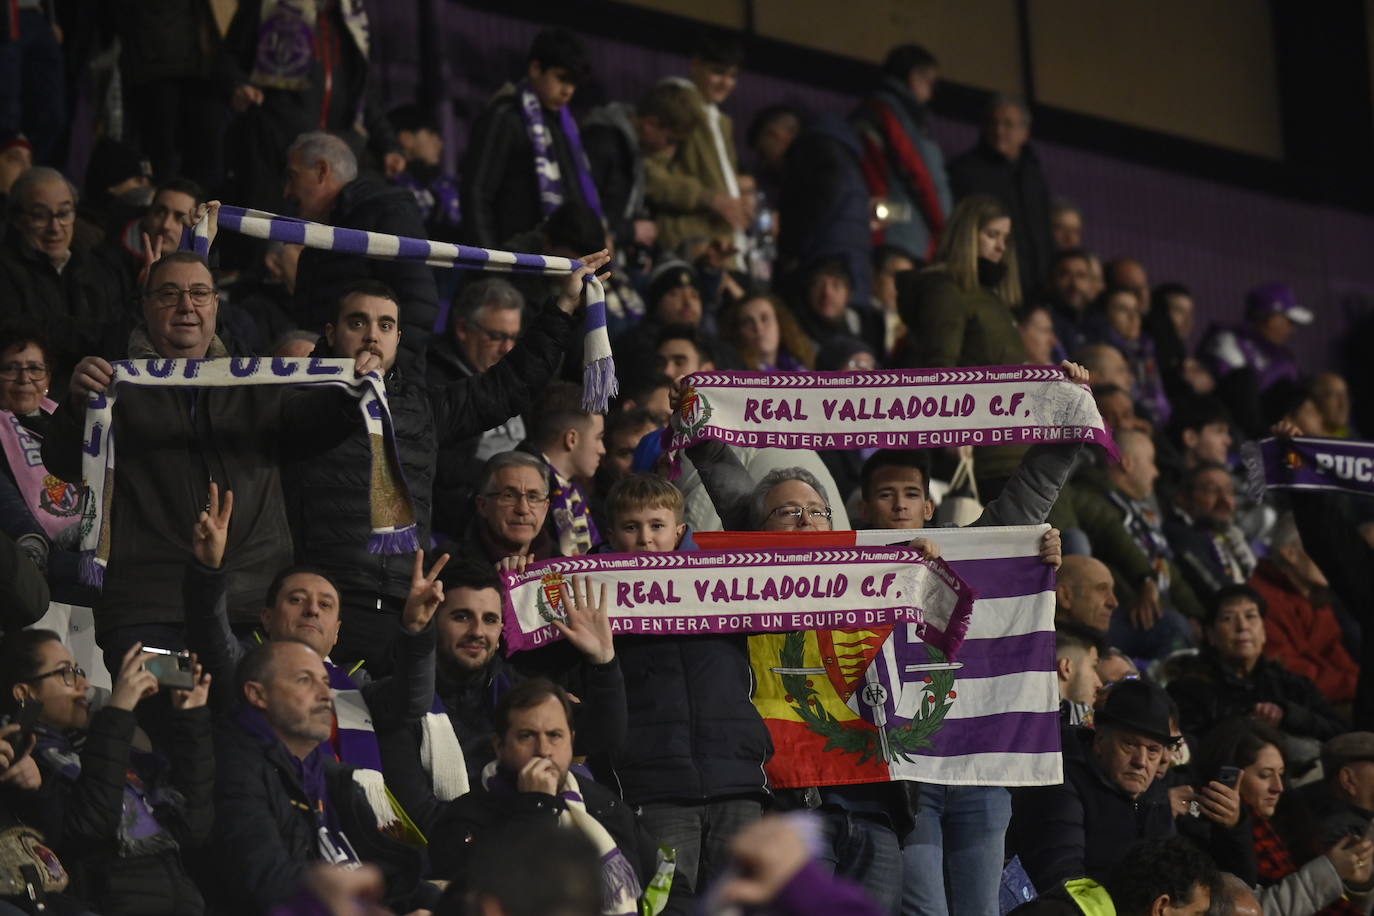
x=119, y=818
x=1299, y=871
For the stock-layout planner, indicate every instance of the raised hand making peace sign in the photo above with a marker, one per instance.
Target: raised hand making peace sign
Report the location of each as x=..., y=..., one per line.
x=212, y=528
x=426, y=593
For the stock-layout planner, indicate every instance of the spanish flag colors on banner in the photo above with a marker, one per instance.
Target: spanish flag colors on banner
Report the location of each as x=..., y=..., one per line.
x=878, y=704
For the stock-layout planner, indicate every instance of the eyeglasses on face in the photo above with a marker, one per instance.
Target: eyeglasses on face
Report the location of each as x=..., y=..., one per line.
x=510, y=496
x=168, y=296
x=792, y=514
x=11, y=371
x=496, y=337
x=41, y=216
x=68, y=673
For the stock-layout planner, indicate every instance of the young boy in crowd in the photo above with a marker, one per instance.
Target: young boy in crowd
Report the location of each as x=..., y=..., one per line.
x=693, y=757
x=571, y=440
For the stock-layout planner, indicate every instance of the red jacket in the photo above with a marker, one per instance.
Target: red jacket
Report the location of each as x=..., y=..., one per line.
x=1305, y=638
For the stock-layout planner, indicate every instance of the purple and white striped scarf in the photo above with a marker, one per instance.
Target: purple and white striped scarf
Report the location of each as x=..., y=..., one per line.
x=598, y=368
x=393, y=514
x=546, y=170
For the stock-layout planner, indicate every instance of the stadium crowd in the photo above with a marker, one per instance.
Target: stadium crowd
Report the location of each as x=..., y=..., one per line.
x=347, y=736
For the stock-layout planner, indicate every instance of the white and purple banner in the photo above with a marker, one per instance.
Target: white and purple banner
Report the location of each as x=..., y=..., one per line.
x=746, y=591
x=907, y=408
x=875, y=704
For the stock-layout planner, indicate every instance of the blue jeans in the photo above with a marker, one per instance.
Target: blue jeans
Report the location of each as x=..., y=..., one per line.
x=701, y=834
x=952, y=858
x=865, y=851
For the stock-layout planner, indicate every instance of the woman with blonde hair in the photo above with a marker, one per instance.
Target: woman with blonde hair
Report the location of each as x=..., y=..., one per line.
x=767, y=335
x=959, y=311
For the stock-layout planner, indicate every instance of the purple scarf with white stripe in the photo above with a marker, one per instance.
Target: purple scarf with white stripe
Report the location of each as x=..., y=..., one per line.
x=546, y=169
x=598, y=368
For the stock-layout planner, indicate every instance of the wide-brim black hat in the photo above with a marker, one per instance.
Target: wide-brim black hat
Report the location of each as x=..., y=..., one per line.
x=1139, y=706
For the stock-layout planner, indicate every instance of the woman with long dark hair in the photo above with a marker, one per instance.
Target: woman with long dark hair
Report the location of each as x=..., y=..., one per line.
x=1298, y=874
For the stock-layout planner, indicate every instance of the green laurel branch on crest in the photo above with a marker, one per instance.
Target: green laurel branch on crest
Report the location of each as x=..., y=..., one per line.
x=859, y=739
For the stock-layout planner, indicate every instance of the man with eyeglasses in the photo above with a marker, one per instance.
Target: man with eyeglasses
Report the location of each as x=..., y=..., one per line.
x=484, y=325
x=143, y=240
x=172, y=445
x=44, y=281
x=512, y=504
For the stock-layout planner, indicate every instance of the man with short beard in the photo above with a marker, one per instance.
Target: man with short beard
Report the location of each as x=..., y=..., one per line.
x=472, y=675
x=1213, y=551
x=282, y=801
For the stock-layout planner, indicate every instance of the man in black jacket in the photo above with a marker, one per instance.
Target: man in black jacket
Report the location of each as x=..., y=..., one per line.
x=43, y=279
x=503, y=193
x=484, y=325
x=322, y=180
x=1004, y=165
x=1109, y=798
x=530, y=784
x=1230, y=677
x=471, y=676
x=282, y=801
x=172, y=445
x=329, y=498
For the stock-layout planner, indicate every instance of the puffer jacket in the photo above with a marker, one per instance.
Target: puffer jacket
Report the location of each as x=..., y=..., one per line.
x=694, y=733
x=328, y=498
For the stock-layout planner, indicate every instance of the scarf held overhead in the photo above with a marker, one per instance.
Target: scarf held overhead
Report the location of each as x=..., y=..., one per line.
x=910, y=408
x=598, y=369
x=746, y=592
x=393, y=516
x=1309, y=464
x=880, y=703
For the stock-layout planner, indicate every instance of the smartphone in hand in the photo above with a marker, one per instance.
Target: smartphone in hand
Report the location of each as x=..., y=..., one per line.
x=172, y=669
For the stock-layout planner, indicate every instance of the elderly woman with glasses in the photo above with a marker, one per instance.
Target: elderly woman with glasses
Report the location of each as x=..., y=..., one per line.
x=43, y=280
x=38, y=509
x=118, y=817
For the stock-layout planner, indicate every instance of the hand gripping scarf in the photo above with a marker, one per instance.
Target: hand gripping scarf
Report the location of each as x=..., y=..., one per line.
x=393, y=516
x=598, y=369
x=619, y=884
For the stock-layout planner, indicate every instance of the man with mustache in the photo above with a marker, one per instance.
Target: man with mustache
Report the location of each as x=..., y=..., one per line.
x=282, y=801
x=329, y=498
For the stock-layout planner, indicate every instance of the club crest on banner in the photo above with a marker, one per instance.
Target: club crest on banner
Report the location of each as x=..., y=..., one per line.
x=900, y=688
x=550, y=599
x=59, y=498
x=693, y=412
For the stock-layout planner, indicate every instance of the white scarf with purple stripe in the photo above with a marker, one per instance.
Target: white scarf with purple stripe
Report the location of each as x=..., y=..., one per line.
x=598, y=368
